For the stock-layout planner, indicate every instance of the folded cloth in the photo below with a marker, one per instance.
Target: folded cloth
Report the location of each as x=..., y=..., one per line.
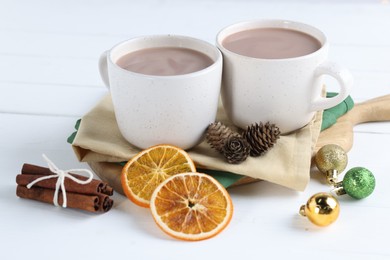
x=98, y=139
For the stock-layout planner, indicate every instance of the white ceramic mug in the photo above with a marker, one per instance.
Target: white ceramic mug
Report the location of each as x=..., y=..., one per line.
x=153, y=110
x=286, y=91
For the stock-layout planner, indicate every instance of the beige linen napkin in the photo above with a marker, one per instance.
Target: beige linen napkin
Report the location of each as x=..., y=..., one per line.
x=288, y=163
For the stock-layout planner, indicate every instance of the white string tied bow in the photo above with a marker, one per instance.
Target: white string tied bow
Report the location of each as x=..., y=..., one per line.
x=61, y=175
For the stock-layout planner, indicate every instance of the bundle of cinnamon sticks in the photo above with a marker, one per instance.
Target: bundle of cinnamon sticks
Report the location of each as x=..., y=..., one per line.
x=93, y=196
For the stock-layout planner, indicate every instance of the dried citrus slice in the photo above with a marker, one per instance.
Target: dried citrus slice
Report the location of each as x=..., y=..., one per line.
x=145, y=171
x=191, y=206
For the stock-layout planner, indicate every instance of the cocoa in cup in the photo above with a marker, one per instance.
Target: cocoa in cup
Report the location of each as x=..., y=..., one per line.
x=164, y=88
x=273, y=71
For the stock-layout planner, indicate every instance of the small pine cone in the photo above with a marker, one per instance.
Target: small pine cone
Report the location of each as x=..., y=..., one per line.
x=217, y=134
x=261, y=137
x=236, y=149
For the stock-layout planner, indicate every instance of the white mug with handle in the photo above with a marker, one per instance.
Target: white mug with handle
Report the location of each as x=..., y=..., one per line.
x=153, y=109
x=283, y=91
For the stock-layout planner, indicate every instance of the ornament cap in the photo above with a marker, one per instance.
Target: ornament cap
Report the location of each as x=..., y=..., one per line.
x=302, y=211
x=331, y=177
x=339, y=191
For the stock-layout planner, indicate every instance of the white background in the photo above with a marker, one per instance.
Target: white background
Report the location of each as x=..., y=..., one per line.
x=49, y=78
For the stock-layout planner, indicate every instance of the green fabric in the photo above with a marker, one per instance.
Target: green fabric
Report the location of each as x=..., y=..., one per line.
x=329, y=118
x=330, y=115
x=225, y=178
x=73, y=135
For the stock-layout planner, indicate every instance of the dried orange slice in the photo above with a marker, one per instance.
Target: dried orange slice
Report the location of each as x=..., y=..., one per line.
x=191, y=206
x=145, y=171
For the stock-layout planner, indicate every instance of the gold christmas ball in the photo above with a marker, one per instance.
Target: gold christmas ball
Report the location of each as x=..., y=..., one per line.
x=322, y=209
x=331, y=158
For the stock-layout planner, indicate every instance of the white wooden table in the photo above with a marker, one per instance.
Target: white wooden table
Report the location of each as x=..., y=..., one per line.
x=49, y=79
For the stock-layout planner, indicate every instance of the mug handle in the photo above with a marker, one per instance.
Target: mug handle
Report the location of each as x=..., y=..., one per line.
x=103, y=68
x=343, y=77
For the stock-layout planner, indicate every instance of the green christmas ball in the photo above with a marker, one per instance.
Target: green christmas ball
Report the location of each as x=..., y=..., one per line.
x=359, y=182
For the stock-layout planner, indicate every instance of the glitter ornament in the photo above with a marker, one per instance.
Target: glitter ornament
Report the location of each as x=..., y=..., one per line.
x=358, y=183
x=331, y=160
x=322, y=209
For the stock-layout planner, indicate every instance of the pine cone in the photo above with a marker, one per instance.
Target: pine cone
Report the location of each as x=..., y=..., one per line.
x=236, y=149
x=217, y=134
x=261, y=137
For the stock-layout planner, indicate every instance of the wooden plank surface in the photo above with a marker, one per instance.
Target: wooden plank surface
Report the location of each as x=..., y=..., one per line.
x=49, y=78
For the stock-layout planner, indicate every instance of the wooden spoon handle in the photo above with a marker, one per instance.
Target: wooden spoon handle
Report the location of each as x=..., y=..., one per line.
x=373, y=110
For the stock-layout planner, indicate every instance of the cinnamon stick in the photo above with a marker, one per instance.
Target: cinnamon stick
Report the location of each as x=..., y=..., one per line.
x=92, y=188
x=93, y=196
x=106, y=189
x=105, y=203
x=74, y=200
x=95, y=185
